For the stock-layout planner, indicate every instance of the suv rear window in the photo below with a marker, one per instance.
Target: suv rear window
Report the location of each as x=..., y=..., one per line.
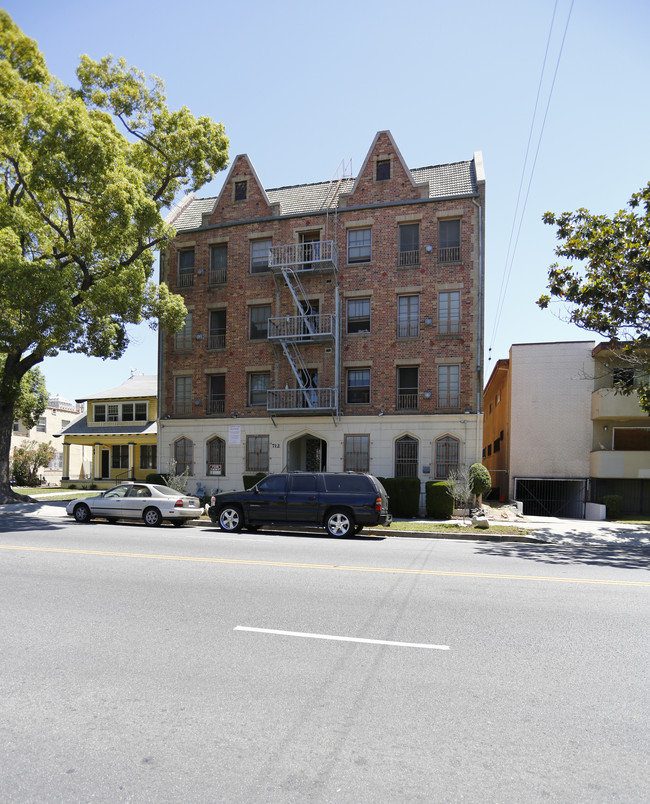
x=303, y=483
x=347, y=483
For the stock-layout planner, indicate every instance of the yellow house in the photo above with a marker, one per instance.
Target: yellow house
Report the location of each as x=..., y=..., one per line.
x=121, y=429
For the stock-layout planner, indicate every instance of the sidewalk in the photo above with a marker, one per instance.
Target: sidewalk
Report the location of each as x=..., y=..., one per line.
x=542, y=529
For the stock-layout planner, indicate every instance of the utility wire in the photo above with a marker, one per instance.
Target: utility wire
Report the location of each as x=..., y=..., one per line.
x=507, y=269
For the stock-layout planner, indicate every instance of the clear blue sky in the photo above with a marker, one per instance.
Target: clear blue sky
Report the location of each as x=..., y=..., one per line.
x=301, y=86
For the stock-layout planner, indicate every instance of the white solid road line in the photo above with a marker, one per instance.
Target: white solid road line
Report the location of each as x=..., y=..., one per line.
x=342, y=638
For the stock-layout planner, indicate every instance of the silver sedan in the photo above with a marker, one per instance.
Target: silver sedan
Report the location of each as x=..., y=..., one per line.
x=149, y=502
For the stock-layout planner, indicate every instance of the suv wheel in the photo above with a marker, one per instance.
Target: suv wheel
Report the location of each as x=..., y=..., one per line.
x=339, y=523
x=230, y=519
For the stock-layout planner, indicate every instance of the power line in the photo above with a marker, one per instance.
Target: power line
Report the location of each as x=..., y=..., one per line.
x=507, y=269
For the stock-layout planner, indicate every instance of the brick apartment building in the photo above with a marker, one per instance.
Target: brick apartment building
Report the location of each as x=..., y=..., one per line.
x=331, y=326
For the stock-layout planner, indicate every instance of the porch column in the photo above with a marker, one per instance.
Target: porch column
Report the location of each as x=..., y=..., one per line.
x=66, y=462
x=131, y=459
x=97, y=461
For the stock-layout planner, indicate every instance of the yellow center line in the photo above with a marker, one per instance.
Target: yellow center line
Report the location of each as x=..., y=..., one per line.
x=341, y=567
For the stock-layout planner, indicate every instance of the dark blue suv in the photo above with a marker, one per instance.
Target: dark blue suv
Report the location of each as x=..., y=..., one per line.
x=341, y=502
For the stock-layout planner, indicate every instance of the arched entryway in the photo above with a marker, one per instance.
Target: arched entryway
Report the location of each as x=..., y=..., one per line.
x=307, y=453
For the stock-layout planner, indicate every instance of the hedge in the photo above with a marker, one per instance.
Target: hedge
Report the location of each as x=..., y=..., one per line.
x=439, y=502
x=403, y=495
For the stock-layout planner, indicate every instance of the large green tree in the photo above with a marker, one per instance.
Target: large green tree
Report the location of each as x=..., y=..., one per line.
x=607, y=283
x=86, y=174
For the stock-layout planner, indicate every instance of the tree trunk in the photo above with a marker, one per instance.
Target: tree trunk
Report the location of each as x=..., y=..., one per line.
x=7, y=494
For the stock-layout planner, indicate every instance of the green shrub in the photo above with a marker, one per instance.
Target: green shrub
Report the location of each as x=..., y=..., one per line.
x=479, y=478
x=440, y=503
x=614, y=503
x=251, y=480
x=403, y=495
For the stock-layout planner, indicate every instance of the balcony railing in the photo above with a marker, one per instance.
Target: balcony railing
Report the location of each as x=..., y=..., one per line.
x=409, y=257
x=407, y=400
x=408, y=329
x=217, y=276
x=302, y=327
x=449, y=254
x=185, y=279
x=215, y=407
x=217, y=340
x=292, y=400
x=449, y=401
x=318, y=256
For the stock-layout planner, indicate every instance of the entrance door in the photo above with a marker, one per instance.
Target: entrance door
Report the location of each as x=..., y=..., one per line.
x=310, y=248
x=307, y=454
x=106, y=464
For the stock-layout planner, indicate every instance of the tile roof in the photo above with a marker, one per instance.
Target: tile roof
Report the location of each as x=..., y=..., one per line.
x=455, y=179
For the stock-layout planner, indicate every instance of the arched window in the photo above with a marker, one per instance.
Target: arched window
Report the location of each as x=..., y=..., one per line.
x=406, y=457
x=184, y=456
x=216, y=457
x=447, y=452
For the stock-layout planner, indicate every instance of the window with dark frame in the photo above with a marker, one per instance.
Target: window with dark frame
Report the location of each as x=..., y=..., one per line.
x=449, y=240
x=449, y=313
x=182, y=395
x=359, y=245
x=216, y=457
x=407, y=387
x=356, y=453
x=259, y=322
x=100, y=413
x=260, y=255
x=358, y=316
x=406, y=457
x=216, y=394
x=358, y=386
x=120, y=456
x=218, y=264
x=186, y=268
x=217, y=329
x=241, y=190
x=448, y=386
x=183, y=338
x=257, y=453
x=184, y=456
x=446, y=452
x=382, y=169
x=409, y=244
x=148, y=456
x=258, y=385
x=408, y=316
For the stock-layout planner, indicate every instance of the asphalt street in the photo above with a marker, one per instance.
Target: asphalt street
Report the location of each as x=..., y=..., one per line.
x=144, y=665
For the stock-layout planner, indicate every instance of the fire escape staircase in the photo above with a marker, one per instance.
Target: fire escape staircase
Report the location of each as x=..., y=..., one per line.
x=307, y=327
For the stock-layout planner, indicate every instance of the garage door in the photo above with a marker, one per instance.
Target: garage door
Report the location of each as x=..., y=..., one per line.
x=545, y=497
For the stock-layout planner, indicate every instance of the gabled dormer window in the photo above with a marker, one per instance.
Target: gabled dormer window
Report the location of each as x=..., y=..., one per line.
x=382, y=170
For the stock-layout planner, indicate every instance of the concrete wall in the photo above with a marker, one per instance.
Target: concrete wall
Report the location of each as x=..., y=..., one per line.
x=551, y=428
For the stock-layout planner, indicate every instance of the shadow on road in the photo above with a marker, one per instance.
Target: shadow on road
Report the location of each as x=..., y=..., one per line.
x=621, y=557
x=18, y=523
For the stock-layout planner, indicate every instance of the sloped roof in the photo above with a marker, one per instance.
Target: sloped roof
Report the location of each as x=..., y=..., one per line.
x=80, y=426
x=445, y=181
x=139, y=385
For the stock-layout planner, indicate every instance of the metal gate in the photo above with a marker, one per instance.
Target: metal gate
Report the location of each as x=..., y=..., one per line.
x=557, y=497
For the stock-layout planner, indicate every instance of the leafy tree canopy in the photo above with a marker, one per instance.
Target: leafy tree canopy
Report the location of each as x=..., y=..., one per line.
x=86, y=173
x=609, y=290
x=32, y=399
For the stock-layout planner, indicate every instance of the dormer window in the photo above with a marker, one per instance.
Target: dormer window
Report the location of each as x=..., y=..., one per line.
x=382, y=170
x=241, y=190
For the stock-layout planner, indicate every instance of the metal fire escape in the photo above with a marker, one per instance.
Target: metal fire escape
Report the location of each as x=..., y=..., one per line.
x=288, y=264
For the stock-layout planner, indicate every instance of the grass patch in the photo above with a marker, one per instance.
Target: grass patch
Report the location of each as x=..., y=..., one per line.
x=52, y=494
x=444, y=527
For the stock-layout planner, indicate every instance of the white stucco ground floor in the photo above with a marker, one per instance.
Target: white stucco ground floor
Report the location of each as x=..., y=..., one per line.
x=219, y=452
